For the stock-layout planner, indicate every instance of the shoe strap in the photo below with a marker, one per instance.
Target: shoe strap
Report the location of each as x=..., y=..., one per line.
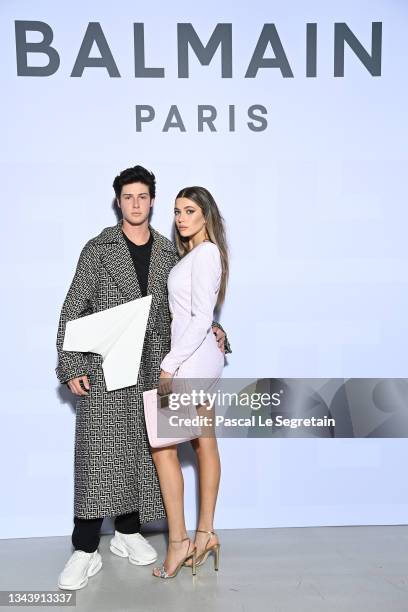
x=210, y=533
x=178, y=541
x=182, y=540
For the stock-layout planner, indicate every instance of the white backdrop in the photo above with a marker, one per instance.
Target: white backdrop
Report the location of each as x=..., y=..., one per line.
x=316, y=217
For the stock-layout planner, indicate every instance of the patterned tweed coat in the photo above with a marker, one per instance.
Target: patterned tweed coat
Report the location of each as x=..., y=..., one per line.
x=114, y=471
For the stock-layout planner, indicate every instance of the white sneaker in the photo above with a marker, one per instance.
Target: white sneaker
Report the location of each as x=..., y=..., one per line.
x=134, y=546
x=79, y=567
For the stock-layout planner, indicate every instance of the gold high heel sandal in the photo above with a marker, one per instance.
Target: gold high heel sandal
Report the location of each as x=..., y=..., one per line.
x=215, y=548
x=190, y=555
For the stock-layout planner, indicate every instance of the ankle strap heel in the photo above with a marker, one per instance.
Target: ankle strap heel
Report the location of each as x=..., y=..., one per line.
x=215, y=548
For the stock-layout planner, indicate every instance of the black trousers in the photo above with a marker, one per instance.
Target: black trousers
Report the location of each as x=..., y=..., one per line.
x=86, y=534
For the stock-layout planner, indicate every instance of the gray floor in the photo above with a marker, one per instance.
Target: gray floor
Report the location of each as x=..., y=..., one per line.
x=299, y=569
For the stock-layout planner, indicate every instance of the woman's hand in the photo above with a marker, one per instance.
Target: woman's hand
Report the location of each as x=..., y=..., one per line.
x=165, y=381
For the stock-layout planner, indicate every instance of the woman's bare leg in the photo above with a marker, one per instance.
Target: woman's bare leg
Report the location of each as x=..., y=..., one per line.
x=172, y=488
x=209, y=469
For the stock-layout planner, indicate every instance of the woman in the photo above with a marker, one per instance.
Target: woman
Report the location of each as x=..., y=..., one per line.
x=196, y=286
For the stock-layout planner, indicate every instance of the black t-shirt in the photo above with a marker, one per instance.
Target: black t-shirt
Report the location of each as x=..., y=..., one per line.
x=141, y=260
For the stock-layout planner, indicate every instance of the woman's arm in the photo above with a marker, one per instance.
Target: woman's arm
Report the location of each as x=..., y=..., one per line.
x=205, y=281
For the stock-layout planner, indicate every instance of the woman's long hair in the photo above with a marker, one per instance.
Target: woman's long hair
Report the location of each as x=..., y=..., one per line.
x=214, y=224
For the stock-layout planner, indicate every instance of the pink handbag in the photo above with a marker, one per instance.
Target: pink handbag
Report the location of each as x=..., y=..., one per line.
x=157, y=417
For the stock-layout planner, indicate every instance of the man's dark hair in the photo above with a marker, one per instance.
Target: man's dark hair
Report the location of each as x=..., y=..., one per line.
x=137, y=174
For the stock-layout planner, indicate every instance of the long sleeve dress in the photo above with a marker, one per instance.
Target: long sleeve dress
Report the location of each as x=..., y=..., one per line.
x=193, y=286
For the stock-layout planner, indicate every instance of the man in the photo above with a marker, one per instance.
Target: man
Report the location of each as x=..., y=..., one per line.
x=114, y=471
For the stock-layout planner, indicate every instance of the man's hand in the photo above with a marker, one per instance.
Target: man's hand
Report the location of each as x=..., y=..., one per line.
x=75, y=385
x=165, y=383
x=220, y=337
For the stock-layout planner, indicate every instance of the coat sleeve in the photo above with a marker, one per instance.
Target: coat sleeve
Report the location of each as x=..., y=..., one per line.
x=227, y=346
x=205, y=282
x=72, y=364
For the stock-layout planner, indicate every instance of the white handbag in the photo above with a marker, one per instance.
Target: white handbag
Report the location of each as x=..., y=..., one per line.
x=157, y=414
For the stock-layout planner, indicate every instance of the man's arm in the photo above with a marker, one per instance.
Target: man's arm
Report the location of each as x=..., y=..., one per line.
x=221, y=336
x=72, y=364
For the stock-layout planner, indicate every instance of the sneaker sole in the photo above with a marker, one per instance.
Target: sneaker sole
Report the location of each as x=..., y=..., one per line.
x=91, y=572
x=121, y=552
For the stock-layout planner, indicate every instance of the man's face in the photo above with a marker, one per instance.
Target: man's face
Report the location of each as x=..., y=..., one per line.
x=135, y=203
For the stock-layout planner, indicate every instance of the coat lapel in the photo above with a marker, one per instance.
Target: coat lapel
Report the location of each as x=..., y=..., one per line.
x=117, y=260
x=119, y=263
x=156, y=271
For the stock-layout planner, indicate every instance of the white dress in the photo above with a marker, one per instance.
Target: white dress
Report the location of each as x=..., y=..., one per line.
x=193, y=286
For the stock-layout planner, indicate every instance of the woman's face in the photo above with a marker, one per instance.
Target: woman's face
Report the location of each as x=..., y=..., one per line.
x=189, y=218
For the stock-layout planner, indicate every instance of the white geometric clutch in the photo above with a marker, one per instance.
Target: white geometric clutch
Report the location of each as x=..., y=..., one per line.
x=115, y=333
